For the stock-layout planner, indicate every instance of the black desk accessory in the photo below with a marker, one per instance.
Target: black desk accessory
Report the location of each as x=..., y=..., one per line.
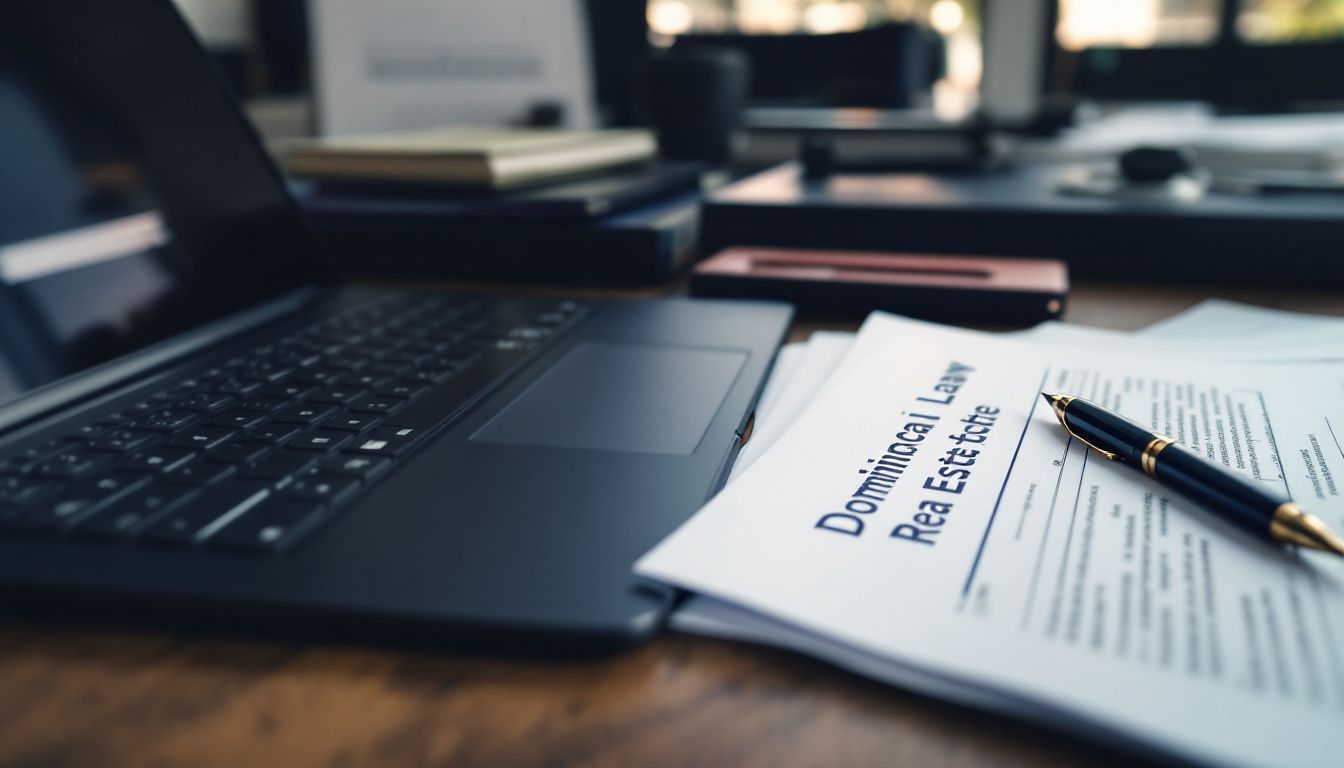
x=644, y=246
x=695, y=99
x=635, y=227
x=1283, y=239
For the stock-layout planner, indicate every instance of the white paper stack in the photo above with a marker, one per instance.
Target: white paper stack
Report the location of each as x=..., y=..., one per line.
x=909, y=509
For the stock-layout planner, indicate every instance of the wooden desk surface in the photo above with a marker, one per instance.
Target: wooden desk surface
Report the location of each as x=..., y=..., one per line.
x=120, y=698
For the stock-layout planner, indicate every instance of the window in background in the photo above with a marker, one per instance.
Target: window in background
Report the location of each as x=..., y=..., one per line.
x=1274, y=22
x=1136, y=23
x=958, y=21
x=1244, y=55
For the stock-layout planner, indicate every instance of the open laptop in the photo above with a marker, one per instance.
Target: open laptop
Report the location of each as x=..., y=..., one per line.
x=198, y=426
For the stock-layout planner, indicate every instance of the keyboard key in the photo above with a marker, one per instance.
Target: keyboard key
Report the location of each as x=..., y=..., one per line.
x=362, y=467
x=240, y=387
x=529, y=332
x=401, y=389
x=345, y=363
x=288, y=391
x=272, y=434
x=326, y=489
x=122, y=517
x=304, y=413
x=319, y=440
x=201, y=438
x=402, y=357
x=119, y=440
x=198, y=473
x=377, y=405
x=390, y=369
x=299, y=358
x=273, y=526
x=337, y=395
x=184, y=388
x=269, y=371
x=71, y=463
x=32, y=455
x=281, y=463
x=167, y=420
x=133, y=412
x=426, y=376
x=156, y=460
x=317, y=376
x=263, y=404
x=207, y=514
x=26, y=490
x=238, y=419
x=366, y=380
x=352, y=422
x=386, y=441
x=88, y=432
x=239, y=452
x=450, y=363
x=202, y=401
x=81, y=499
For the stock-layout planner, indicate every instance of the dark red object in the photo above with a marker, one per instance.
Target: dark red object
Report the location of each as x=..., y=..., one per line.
x=956, y=289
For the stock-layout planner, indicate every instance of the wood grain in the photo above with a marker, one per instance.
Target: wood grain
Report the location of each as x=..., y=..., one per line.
x=79, y=697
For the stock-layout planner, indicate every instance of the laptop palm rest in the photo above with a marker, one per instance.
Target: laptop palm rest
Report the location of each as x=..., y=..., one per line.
x=620, y=397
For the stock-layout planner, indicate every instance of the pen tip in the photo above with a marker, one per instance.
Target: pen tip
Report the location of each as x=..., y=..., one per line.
x=1293, y=526
x=1049, y=398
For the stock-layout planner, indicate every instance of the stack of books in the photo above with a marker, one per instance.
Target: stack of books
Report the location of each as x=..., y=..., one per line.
x=517, y=205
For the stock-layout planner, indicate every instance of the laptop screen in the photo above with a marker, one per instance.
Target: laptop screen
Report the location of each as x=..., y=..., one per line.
x=135, y=202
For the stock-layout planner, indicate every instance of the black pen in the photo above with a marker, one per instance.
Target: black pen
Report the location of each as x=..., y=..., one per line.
x=1264, y=514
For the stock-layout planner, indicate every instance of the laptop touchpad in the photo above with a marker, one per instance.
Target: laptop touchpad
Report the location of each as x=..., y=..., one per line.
x=620, y=397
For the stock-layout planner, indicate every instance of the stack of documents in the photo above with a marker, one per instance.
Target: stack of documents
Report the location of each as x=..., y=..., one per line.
x=910, y=509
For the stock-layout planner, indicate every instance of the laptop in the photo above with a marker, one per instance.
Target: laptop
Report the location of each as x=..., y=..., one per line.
x=200, y=427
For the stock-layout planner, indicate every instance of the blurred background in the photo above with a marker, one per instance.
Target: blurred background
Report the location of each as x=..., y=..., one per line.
x=1240, y=54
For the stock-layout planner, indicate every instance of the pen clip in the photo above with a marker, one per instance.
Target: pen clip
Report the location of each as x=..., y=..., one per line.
x=1058, y=404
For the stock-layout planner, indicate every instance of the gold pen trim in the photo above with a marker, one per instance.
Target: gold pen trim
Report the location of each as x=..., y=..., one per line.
x=1058, y=403
x=1148, y=459
x=1292, y=525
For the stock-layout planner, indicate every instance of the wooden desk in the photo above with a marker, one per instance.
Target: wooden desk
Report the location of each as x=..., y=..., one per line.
x=112, y=698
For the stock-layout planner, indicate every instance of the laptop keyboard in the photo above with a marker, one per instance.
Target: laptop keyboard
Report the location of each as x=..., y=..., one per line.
x=256, y=453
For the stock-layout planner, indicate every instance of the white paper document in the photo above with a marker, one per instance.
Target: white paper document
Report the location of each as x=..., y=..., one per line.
x=1315, y=345
x=1215, y=319
x=407, y=64
x=800, y=372
x=927, y=521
